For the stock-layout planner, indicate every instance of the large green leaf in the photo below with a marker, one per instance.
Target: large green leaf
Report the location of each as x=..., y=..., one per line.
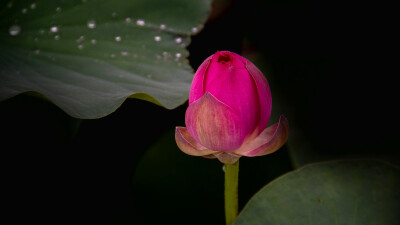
x=88, y=56
x=340, y=192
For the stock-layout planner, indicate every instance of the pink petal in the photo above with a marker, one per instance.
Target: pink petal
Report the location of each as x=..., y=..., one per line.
x=270, y=140
x=196, y=88
x=264, y=94
x=188, y=145
x=214, y=124
x=228, y=80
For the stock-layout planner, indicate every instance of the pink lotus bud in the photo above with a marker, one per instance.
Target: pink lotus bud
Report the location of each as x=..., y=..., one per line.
x=229, y=109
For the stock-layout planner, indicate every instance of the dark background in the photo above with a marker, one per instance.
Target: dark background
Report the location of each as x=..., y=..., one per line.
x=329, y=65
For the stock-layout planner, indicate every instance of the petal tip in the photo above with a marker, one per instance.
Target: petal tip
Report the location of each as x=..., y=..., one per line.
x=269, y=141
x=187, y=144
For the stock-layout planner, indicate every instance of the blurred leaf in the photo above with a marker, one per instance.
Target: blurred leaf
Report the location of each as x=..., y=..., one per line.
x=88, y=56
x=338, y=192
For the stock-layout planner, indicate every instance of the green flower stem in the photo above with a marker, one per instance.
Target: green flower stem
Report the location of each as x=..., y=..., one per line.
x=231, y=192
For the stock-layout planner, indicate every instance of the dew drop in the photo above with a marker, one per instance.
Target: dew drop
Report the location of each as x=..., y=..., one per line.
x=80, y=39
x=167, y=56
x=14, y=30
x=33, y=6
x=57, y=37
x=178, y=55
x=91, y=24
x=157, y=38
x=140, y=22
x=58, y=9
x=125, y=53
x=195, y=29
x=54, y=29
x=178, y=40
x=162, y=26
x=37, y=51
x=80, y=47
x=93, y=41
x=128, y=20
x=118, y=38
x=112, y=55
x=114, y=14
x=24, y=10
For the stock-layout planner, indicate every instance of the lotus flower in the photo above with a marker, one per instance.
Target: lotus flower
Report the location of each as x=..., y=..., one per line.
x=229, y=109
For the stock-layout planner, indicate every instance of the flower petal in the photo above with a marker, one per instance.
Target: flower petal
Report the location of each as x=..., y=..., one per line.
x=214, y=124
x=229, y=81
x=264, y=94
x=197, y=89
x=270, y=140
x=189, y=145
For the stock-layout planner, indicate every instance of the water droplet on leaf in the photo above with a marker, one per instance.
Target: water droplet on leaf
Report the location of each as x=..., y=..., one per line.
x=157, y=38
x=54, y=29
x=91, y=24
x=178, y=40
x=125, y=53
x=80, y=39
x=140, y=22
x=14, y=30
x=118, y=38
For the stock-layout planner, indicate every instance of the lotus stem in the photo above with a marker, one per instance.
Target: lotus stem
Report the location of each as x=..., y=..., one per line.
x=231, y=192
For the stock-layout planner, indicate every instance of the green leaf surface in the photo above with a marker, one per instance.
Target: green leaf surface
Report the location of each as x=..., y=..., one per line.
x=88, y=56
x=357, y=192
